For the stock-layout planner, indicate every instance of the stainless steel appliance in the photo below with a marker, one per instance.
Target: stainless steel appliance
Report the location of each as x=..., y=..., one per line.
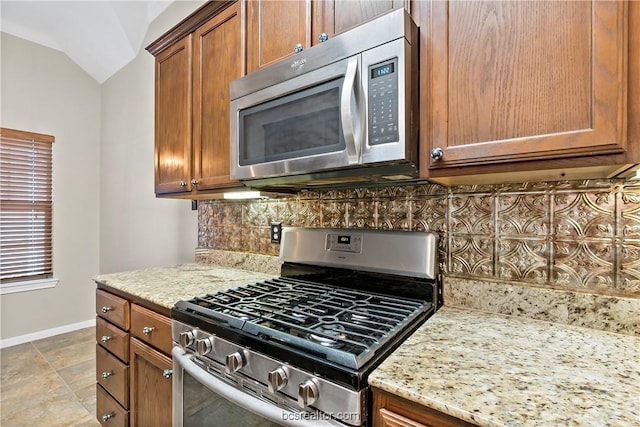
x=297, y=349
x=342, y=111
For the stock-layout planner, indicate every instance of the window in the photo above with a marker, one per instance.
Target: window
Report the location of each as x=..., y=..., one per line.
x=26, y=209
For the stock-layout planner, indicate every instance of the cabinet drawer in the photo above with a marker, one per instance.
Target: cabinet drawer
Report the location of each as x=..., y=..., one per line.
x=113, y=375
x=151, y=327
x=108, y=411
x=113, y=308
x=113, y=339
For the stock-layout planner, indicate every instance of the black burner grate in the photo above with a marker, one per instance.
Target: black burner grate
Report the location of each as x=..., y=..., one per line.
x=343, y=324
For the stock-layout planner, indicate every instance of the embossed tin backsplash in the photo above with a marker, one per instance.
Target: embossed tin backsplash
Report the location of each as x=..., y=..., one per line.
x=574, y=235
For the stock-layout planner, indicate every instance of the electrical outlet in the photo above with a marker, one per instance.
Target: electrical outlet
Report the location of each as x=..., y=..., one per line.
x=276, y=232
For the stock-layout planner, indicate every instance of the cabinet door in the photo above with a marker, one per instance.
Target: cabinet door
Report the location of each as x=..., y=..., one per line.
x=274, y=28
x=337, y=16
x=217, y=61
x=150, y=386
x=517, y=81
x=173, y=118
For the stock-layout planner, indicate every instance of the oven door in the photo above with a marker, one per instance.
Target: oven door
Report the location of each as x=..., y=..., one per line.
x=200, y=399
x=309, y=123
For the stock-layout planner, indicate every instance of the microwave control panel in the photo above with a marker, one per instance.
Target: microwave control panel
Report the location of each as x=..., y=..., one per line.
x=383, y=102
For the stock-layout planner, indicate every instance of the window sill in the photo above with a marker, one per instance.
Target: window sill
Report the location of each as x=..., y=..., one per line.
x=27, y=285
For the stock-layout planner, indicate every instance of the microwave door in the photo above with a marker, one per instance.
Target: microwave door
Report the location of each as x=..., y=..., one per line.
x=306, y=124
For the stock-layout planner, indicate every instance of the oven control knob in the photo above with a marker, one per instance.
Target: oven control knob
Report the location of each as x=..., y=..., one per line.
x=204, y=346
x=235, y=361
x=277, y=379
x=187, y=338
x=308, y=393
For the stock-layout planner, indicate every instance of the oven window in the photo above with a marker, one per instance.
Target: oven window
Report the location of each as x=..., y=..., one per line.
x=301, y=124
x=202, y=407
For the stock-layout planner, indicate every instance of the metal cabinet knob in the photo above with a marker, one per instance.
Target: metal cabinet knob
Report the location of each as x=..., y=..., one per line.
x=437, y=153
x=298, y=48
x=194, y=181
x=147, y=330
x=106, y=374
x=323, y=37
x=183, y=183
x=105, y=338
x=107, y=417
x=167, y=373
x=105, y=309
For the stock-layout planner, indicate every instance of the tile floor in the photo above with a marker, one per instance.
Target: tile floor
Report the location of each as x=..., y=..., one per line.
x=49, y=382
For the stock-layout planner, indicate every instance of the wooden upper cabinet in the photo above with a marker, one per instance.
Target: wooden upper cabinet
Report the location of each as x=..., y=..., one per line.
x=173, y=118
x=337, y=16
x=275, y=27
x=195, y=62
x=539, y=84
x=218, y=60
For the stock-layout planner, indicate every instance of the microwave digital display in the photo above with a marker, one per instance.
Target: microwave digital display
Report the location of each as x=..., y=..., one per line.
x=382, y=70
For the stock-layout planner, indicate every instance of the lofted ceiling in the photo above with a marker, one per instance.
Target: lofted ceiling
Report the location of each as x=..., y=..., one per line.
x=100, y=36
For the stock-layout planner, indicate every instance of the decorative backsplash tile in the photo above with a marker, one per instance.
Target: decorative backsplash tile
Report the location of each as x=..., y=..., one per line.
x=568, y=235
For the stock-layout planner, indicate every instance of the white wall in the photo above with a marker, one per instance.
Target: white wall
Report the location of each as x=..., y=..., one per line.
x=44, y=92
x=106, y=216
x=136, y=229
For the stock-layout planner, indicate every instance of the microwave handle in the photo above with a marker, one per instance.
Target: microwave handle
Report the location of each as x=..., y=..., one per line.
x=347, y=101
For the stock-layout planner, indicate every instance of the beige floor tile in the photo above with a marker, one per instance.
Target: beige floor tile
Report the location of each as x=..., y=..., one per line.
x=20, y=367
x=33, y=393
x=70, y=355
x=87, y=396
x=80, y=375
x=65, y=340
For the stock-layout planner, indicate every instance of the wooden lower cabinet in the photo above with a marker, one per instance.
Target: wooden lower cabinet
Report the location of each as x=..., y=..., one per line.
x=133, y=362
x=150, y=386
x=390, y=410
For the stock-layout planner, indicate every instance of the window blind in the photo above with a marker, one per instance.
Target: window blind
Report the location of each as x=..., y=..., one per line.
x=26, y=205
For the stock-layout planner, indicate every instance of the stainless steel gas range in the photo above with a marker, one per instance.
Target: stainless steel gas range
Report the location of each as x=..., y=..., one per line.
x=296, y=350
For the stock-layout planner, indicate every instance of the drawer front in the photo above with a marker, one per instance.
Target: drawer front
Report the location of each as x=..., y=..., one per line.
x=113, y=339
x=112, y=308
x=151, y=327
x=113, y=375
x=108, y=411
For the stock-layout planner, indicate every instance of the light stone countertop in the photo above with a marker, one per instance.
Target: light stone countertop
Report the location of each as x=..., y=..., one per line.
x=488, y=369
x=498, y=370
x=166, y=286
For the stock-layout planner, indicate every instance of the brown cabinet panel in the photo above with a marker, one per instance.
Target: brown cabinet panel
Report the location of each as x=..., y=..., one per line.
x=393, y=411
x=173, y=118
x=108, y=411
x=150, y=386
x=510, y=82
x=151, y=327
x=113, y=339
x=274, y=28
x=216, y=62
x=112, y=308
x=112, y=375
x=337, y=16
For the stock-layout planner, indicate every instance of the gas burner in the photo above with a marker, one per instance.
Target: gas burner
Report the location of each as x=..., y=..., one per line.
x=332, y=333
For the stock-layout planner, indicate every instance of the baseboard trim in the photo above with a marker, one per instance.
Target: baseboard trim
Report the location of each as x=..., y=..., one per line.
x=9, y=342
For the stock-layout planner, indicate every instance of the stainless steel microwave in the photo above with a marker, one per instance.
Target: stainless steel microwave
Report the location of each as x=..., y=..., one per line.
x=343, y=111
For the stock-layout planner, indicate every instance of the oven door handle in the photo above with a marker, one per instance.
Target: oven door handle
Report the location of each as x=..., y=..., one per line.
x=259, y=407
